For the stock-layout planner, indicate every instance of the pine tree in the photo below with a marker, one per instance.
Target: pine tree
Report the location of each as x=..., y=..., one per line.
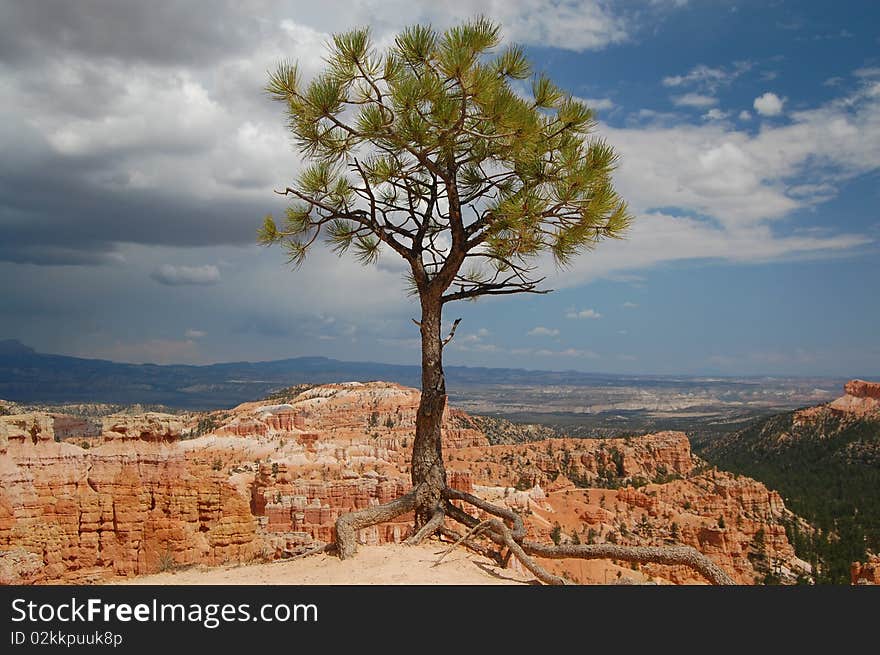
x=428, y=152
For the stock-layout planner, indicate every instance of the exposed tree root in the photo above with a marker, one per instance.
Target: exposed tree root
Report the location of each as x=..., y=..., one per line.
x=518, y=528
x=347, y=525
x=539, y=571
x=470, y=533
x=428, y=529
x=476, y=546
x=499, y=532
x=681, y=555
x=326, y=548
x=510, y=534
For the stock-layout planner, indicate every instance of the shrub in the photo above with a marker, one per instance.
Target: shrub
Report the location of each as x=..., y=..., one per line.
x=166, y=562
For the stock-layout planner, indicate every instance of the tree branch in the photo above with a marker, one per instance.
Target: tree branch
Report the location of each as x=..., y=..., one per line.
x=451, y=333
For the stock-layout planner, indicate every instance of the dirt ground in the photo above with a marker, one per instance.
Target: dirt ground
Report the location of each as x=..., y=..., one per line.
x=389, y=564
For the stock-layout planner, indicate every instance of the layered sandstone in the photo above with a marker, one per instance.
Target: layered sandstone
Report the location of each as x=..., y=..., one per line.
x=861, y=399
x=863, y=389
x=269, y=480
x=151, y=426
x=125, y=507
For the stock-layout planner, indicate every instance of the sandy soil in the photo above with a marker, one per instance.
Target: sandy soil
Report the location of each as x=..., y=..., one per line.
x=388, y=564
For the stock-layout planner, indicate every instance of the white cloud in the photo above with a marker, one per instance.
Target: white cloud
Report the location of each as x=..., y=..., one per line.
x=745, y=115
x=479, y=335
x=542, y=331
x=657, y=237
x=583, y=314
x=769, y=104
x=195, y=334
x=598, y=104
x=715, y=114
x=576, y=25
x=698, y=100
x=707, y=77
x=173, y=276
x=475, y=342
x=568, y=352
x=629, y=305
x=571, y=24
x=698, y=74
x=741, y=179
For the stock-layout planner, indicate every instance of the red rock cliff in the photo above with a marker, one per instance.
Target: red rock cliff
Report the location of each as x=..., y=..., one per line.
x=270, y=480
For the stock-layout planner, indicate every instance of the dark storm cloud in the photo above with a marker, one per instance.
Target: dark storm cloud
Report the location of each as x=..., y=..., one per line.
x=50, y=216
x=96, y=95
x=44, y=255
x=306, y=325
x=162, y=32
x=267, y=326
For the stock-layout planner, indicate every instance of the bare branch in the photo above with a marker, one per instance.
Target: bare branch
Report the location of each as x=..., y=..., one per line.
x=451, y=333
x=493, y=290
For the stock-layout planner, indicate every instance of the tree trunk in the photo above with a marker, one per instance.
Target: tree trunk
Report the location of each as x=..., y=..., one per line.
x=428, y=471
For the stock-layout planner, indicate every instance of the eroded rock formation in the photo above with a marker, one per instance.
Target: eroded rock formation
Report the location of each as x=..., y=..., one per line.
x=867, y=573
x=268, y=481
x=861, y=399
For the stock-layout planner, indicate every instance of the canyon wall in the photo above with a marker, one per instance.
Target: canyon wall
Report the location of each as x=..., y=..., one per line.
x=265, y=481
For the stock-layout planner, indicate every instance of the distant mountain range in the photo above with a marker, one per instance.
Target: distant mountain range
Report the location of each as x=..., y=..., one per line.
x=32, y=377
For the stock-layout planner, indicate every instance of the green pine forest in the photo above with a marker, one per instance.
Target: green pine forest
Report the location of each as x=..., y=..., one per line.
x=828, y=472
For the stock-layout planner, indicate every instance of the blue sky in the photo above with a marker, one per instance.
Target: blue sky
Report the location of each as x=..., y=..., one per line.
x=140, y=154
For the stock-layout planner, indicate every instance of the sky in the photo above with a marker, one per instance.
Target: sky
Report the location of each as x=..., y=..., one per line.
x=140, y=154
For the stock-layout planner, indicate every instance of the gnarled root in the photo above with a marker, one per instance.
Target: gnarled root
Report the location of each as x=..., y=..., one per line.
x=516, y=550
x=498, y=532
x=682, y=555
x=470, y=533
x=347, y=525
x=476, y=546
x=518, y=530
x=428, y=529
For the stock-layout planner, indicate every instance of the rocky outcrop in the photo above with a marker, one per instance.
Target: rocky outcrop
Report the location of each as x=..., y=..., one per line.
x=861, y=399
x=863, y=389
x=867, y=573
x=151, y=426
x=382, y=411
x=33, y=428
